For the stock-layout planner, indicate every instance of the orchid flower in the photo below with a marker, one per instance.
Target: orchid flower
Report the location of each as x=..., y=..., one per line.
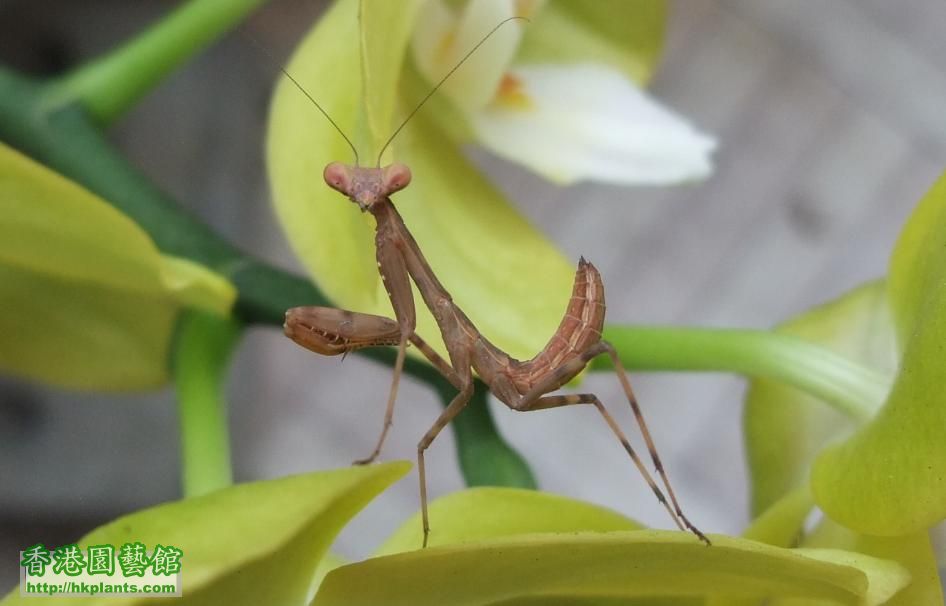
x=535, y=96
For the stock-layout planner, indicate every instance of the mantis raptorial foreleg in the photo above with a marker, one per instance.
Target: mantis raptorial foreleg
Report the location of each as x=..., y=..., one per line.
x=331, y=331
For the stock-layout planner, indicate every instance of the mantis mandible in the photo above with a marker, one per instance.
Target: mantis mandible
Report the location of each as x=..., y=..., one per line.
x=521, y=385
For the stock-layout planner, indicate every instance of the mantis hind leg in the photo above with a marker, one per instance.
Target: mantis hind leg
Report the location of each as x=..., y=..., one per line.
x=536, y=400
x=651, y=447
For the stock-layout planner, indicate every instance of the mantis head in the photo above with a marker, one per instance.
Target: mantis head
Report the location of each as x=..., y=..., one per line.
x=366, y=186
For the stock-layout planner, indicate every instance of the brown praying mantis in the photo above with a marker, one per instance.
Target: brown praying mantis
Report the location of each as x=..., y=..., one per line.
x=521, y=385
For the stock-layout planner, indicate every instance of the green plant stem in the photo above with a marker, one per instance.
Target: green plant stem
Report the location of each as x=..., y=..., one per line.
x=201, y=358
x=110, y=85
x=851, y=388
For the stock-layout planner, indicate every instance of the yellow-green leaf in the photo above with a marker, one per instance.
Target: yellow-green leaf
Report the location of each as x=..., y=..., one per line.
x=86, y=299
x=613, y=565
x=193, y=285
x=600, y=600
x=625, y=35
x=478, y=514
x=256, y=543
x=786, y=428
x=780, y=525
x=918, y=261
x=509, y=279
x=911, y=551
x=384, y=32
x=889, y=478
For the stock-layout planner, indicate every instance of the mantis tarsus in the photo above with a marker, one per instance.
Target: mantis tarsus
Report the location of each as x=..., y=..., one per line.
x=521, y=385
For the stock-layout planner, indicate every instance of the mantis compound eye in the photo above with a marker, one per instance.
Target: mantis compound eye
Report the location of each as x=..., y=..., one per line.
x=338, y=177
x=396, y=178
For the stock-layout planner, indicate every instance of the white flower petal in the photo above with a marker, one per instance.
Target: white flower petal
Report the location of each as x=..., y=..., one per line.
x=441, y=38
x=590, y=122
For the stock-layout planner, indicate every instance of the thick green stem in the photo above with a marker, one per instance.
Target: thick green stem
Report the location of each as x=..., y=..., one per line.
x=200, y=362
x=846, y=385
x=110, y=85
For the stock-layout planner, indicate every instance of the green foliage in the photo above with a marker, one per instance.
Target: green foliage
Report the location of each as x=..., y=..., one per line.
x=471, y=515
x=785, y=427
x=255, y=543
x=913, y=551
x=617, y=565
x=888, y=479
x=201, y=359
x=64, y=248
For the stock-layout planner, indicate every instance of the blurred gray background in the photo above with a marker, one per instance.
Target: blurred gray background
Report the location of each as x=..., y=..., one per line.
x=831, y=118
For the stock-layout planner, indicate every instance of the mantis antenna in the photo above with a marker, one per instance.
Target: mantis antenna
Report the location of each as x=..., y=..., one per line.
x=442, y=80
x=413, y=112
x=302, y=89
x=324, y=113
